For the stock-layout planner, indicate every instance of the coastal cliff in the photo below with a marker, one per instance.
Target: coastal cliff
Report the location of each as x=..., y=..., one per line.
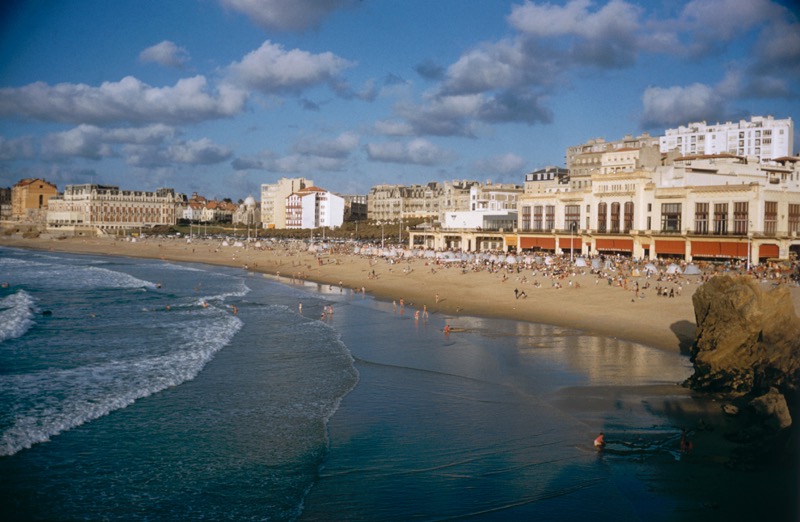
x=747, y=352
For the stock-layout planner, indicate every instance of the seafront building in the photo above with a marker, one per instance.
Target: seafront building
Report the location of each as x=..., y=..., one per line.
x=314, y=207
x=763, y=137
x=88, y=209
x=273, y=200
x=628, y=197
x=30, y=199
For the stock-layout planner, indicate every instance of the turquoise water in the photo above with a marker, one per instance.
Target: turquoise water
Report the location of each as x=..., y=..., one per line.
x=162, y=391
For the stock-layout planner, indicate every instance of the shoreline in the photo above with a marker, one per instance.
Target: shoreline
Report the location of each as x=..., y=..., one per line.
x=583, y=301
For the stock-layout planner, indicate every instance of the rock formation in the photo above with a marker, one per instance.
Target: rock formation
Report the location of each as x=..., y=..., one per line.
x=747, y=340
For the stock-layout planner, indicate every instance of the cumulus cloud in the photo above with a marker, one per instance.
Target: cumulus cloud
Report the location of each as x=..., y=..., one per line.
x=715, y=22
x=286, y=15
x=93, y=142
x=340, y=147
x=417, y=152
x=129, y=100
x=165, y=53
x=393, y=128
x=671, y=106
x=273, y=69
x=192, y=152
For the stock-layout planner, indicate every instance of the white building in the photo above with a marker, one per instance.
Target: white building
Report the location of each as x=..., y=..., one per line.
x=762, y=137
x=314, y=207
x=273, y=200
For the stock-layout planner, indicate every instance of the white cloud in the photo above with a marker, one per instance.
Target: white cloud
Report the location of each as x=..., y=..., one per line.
x=418, y=152
x=287, y=15
x=272, y=69
x=165, y=53
x=337, y=148
x=90, y=141
x=129, y=100
x=393, y=128
x=670, y=106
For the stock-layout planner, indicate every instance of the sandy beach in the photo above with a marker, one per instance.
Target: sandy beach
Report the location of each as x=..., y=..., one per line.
x=606, y=305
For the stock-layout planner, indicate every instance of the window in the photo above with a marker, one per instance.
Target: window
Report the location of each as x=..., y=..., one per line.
x=701, y=218
x=720, y=218
x=615, y=217
x=550, y=217
x=670, y=217
x=770, y=217
x=572, y=217
x=741, y=218
x=538, y=213
x=602, y=211
x=628, y=216
x=794, y=218
x=526, y=218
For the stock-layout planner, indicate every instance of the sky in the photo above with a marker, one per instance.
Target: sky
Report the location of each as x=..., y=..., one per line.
x=220, y=96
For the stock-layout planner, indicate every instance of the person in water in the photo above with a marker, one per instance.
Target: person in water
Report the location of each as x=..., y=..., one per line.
x=600, y=442
x=686, y=444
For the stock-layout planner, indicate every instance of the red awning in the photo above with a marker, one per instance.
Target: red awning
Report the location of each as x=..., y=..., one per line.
x=666, y=246
x=768, y=251
x=547, y=243
x=617, y=245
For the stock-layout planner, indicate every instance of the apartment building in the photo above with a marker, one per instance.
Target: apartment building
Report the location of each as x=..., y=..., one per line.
x=93, y=208
x=314, y=207
x=762, y=136
x=273, y=200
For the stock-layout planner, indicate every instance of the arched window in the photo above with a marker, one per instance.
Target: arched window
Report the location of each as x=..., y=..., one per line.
x=602, y=215
x=628, y=216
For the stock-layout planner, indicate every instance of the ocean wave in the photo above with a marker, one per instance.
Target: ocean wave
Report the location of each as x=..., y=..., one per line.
x=52, y=401
x=60, y=275
x=16, y=315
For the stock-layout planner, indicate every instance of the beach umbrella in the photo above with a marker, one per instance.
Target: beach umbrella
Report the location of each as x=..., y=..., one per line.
x=580, y=262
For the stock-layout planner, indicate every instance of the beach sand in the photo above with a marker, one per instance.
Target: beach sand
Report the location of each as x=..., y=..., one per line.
x=589, y=303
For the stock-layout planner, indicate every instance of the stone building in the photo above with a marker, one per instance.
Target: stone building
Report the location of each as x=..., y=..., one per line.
x=30, y=198
x=90, y=209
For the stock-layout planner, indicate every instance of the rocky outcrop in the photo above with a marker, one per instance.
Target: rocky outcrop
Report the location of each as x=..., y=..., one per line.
x=747, y=340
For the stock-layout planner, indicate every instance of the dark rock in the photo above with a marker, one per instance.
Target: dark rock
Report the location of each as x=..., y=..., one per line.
x=772, y=408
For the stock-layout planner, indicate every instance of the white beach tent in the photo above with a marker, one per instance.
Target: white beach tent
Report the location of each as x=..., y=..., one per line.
x=691, y=270
x=597, y=263
x=673, y=269
x=580, y=261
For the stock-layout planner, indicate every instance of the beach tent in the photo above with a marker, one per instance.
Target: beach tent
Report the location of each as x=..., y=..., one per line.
x=691, y=270
x=650, y=267
x=225, y=243
x=580, y=262
x=548, y=260
x=597, y=263
x=511, y=260
x=673, y=269
x=238, y=244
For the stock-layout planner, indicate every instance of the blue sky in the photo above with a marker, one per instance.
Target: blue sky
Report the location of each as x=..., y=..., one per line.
x=220, y=96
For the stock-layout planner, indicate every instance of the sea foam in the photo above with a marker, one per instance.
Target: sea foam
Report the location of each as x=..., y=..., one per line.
x=16, y=315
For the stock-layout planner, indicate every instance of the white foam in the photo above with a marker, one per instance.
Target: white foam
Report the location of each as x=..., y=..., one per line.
x=16, y=315
x=55, y=400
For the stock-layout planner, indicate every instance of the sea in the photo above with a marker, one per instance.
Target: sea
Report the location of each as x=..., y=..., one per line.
x=134, y=389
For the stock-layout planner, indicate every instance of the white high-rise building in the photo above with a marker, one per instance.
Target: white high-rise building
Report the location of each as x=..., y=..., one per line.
x=763, y=137
x=273, y=200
